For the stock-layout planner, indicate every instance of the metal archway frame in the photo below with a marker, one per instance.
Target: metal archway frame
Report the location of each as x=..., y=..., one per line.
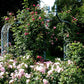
x=5, y=38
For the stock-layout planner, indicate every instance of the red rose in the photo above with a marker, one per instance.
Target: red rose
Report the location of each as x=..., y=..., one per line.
x=34, y=5
x=26, y=33
x=39, y=57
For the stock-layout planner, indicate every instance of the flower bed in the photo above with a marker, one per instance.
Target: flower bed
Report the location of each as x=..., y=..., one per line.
x=24, y=70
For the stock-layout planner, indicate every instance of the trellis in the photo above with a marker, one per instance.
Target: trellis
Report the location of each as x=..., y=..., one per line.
x=5, y=38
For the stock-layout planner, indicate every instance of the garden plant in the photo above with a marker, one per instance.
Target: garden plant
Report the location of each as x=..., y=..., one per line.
x=35, y=32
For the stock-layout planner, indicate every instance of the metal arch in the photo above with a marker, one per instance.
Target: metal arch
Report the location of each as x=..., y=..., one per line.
x=5, y=37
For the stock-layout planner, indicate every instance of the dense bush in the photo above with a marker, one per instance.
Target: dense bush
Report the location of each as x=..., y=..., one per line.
x=24, y=70
x=75, y=52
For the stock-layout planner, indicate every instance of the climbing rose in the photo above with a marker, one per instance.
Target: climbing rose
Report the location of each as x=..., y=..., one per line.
x=56, y=39
x=39, y=17
x=34, y=5
x=26, y=33
x=10, y=13
x=48, y=21
x=7, y=18
x=38, y=5
x=28, y=24
x=32, y=13
x=54, y=27
x=33, y=19
x=42, y=22
x=39, y=57
x=67, y=35
x=36, y=12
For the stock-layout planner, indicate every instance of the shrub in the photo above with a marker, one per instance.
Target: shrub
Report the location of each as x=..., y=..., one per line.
x=24, y=70
x=75, y=52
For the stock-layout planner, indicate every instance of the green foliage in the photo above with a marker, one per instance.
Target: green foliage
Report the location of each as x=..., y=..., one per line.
x=75, y=52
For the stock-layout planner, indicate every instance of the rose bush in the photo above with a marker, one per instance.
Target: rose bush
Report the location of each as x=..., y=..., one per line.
x=24, y=70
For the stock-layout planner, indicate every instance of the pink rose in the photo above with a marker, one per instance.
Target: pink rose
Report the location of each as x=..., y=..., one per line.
x=26, y=33
x=54, y=27
x=32, y=13
x=33, y=19
x=38, y=5
x=39, y=17
x=48, y=21
x=56, y=39
x=52, y=43
x=7, y=18
x=36, y=12
x=28, y=24
x=27, y=8
x=34, y=5
x=10, y=13
x=32, y=16
x=67, y=35
x=42, y=22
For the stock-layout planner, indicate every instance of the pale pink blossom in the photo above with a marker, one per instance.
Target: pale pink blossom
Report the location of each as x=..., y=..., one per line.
x=45, y=81
x=27, y=75
x=70, y=62
x=27, y=81
x=40, y=69
x=11, y=81
x=48, y=63
x=2, y=69
x=50, y=72
x=10, y=66
x=26, y=65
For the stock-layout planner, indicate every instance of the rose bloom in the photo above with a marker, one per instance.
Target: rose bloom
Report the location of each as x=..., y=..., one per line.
x=48, y=21
x=38, y=5
x=54, y=27
x=45, y=81
x=39, y=17
x=39, y=57
x=33, y=19
x=26, y=33
x=34, y=5
x=67, y=35
x=42, y=22
x=28, y=24
x=36, y=12
x=32, y=13
x=10, y=13
x=27, y=75
x=7, y=18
